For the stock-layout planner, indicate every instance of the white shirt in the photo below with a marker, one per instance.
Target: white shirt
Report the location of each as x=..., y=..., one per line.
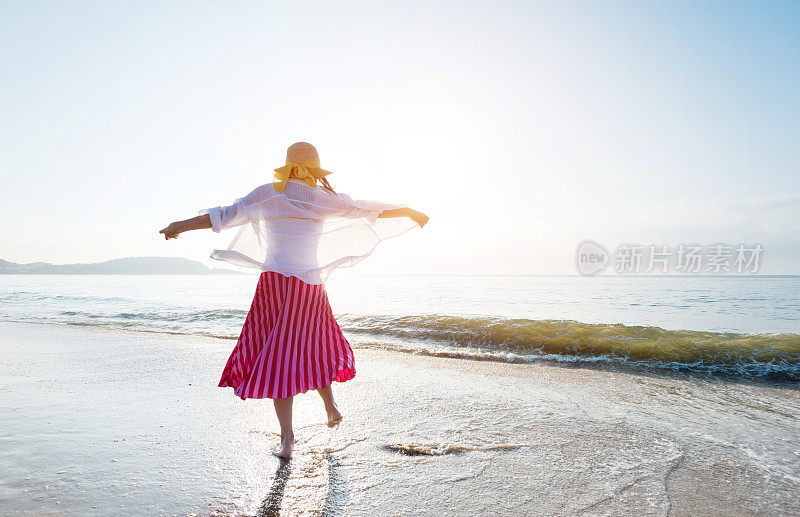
x=304, y=232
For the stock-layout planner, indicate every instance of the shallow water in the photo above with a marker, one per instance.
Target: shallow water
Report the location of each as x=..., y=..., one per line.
x=741, y=326
x=124, y=423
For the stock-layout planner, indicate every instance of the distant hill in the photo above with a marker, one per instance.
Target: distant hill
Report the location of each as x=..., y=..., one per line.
x=123, y=266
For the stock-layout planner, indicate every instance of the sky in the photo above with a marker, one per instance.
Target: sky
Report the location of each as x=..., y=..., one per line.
x=520, y=128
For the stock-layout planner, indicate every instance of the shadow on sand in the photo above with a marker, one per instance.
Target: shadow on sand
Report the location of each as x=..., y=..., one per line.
x=271, y=506
x=336, y=498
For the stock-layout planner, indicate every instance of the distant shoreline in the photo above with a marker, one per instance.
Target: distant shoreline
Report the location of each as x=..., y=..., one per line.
x=211, y=272
x=122, y=266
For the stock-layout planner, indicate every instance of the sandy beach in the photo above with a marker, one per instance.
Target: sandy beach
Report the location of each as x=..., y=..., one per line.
x=106, y=422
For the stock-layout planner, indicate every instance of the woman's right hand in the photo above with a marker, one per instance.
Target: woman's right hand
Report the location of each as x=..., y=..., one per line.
x=171, y=232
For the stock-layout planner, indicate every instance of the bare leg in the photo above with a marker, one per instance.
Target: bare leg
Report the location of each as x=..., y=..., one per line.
x=283, y=408
x=334, y=416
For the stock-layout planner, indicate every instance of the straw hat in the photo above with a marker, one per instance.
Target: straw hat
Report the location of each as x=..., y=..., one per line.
x=300, y=152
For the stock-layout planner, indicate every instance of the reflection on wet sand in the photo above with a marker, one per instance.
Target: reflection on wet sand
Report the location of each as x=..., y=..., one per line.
x=338, y=494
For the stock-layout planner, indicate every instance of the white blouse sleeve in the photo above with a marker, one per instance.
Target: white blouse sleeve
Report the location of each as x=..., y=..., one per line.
x=236, y=214
x=348, y=208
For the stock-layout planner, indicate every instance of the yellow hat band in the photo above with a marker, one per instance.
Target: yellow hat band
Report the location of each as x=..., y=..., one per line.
x=308, y=171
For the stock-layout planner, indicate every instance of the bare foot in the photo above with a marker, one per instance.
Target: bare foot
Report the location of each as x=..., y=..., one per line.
x=334, y=417
x=285, y=450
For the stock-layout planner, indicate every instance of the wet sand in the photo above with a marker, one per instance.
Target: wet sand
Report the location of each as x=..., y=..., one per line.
x=129, y=423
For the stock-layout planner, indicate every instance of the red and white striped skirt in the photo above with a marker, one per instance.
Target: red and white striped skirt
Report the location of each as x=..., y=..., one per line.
x=290, y=342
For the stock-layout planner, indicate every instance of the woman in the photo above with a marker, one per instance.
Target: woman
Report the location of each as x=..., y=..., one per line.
x=296, y=232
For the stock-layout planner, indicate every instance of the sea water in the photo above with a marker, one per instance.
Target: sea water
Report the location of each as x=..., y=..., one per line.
x=746, y=326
